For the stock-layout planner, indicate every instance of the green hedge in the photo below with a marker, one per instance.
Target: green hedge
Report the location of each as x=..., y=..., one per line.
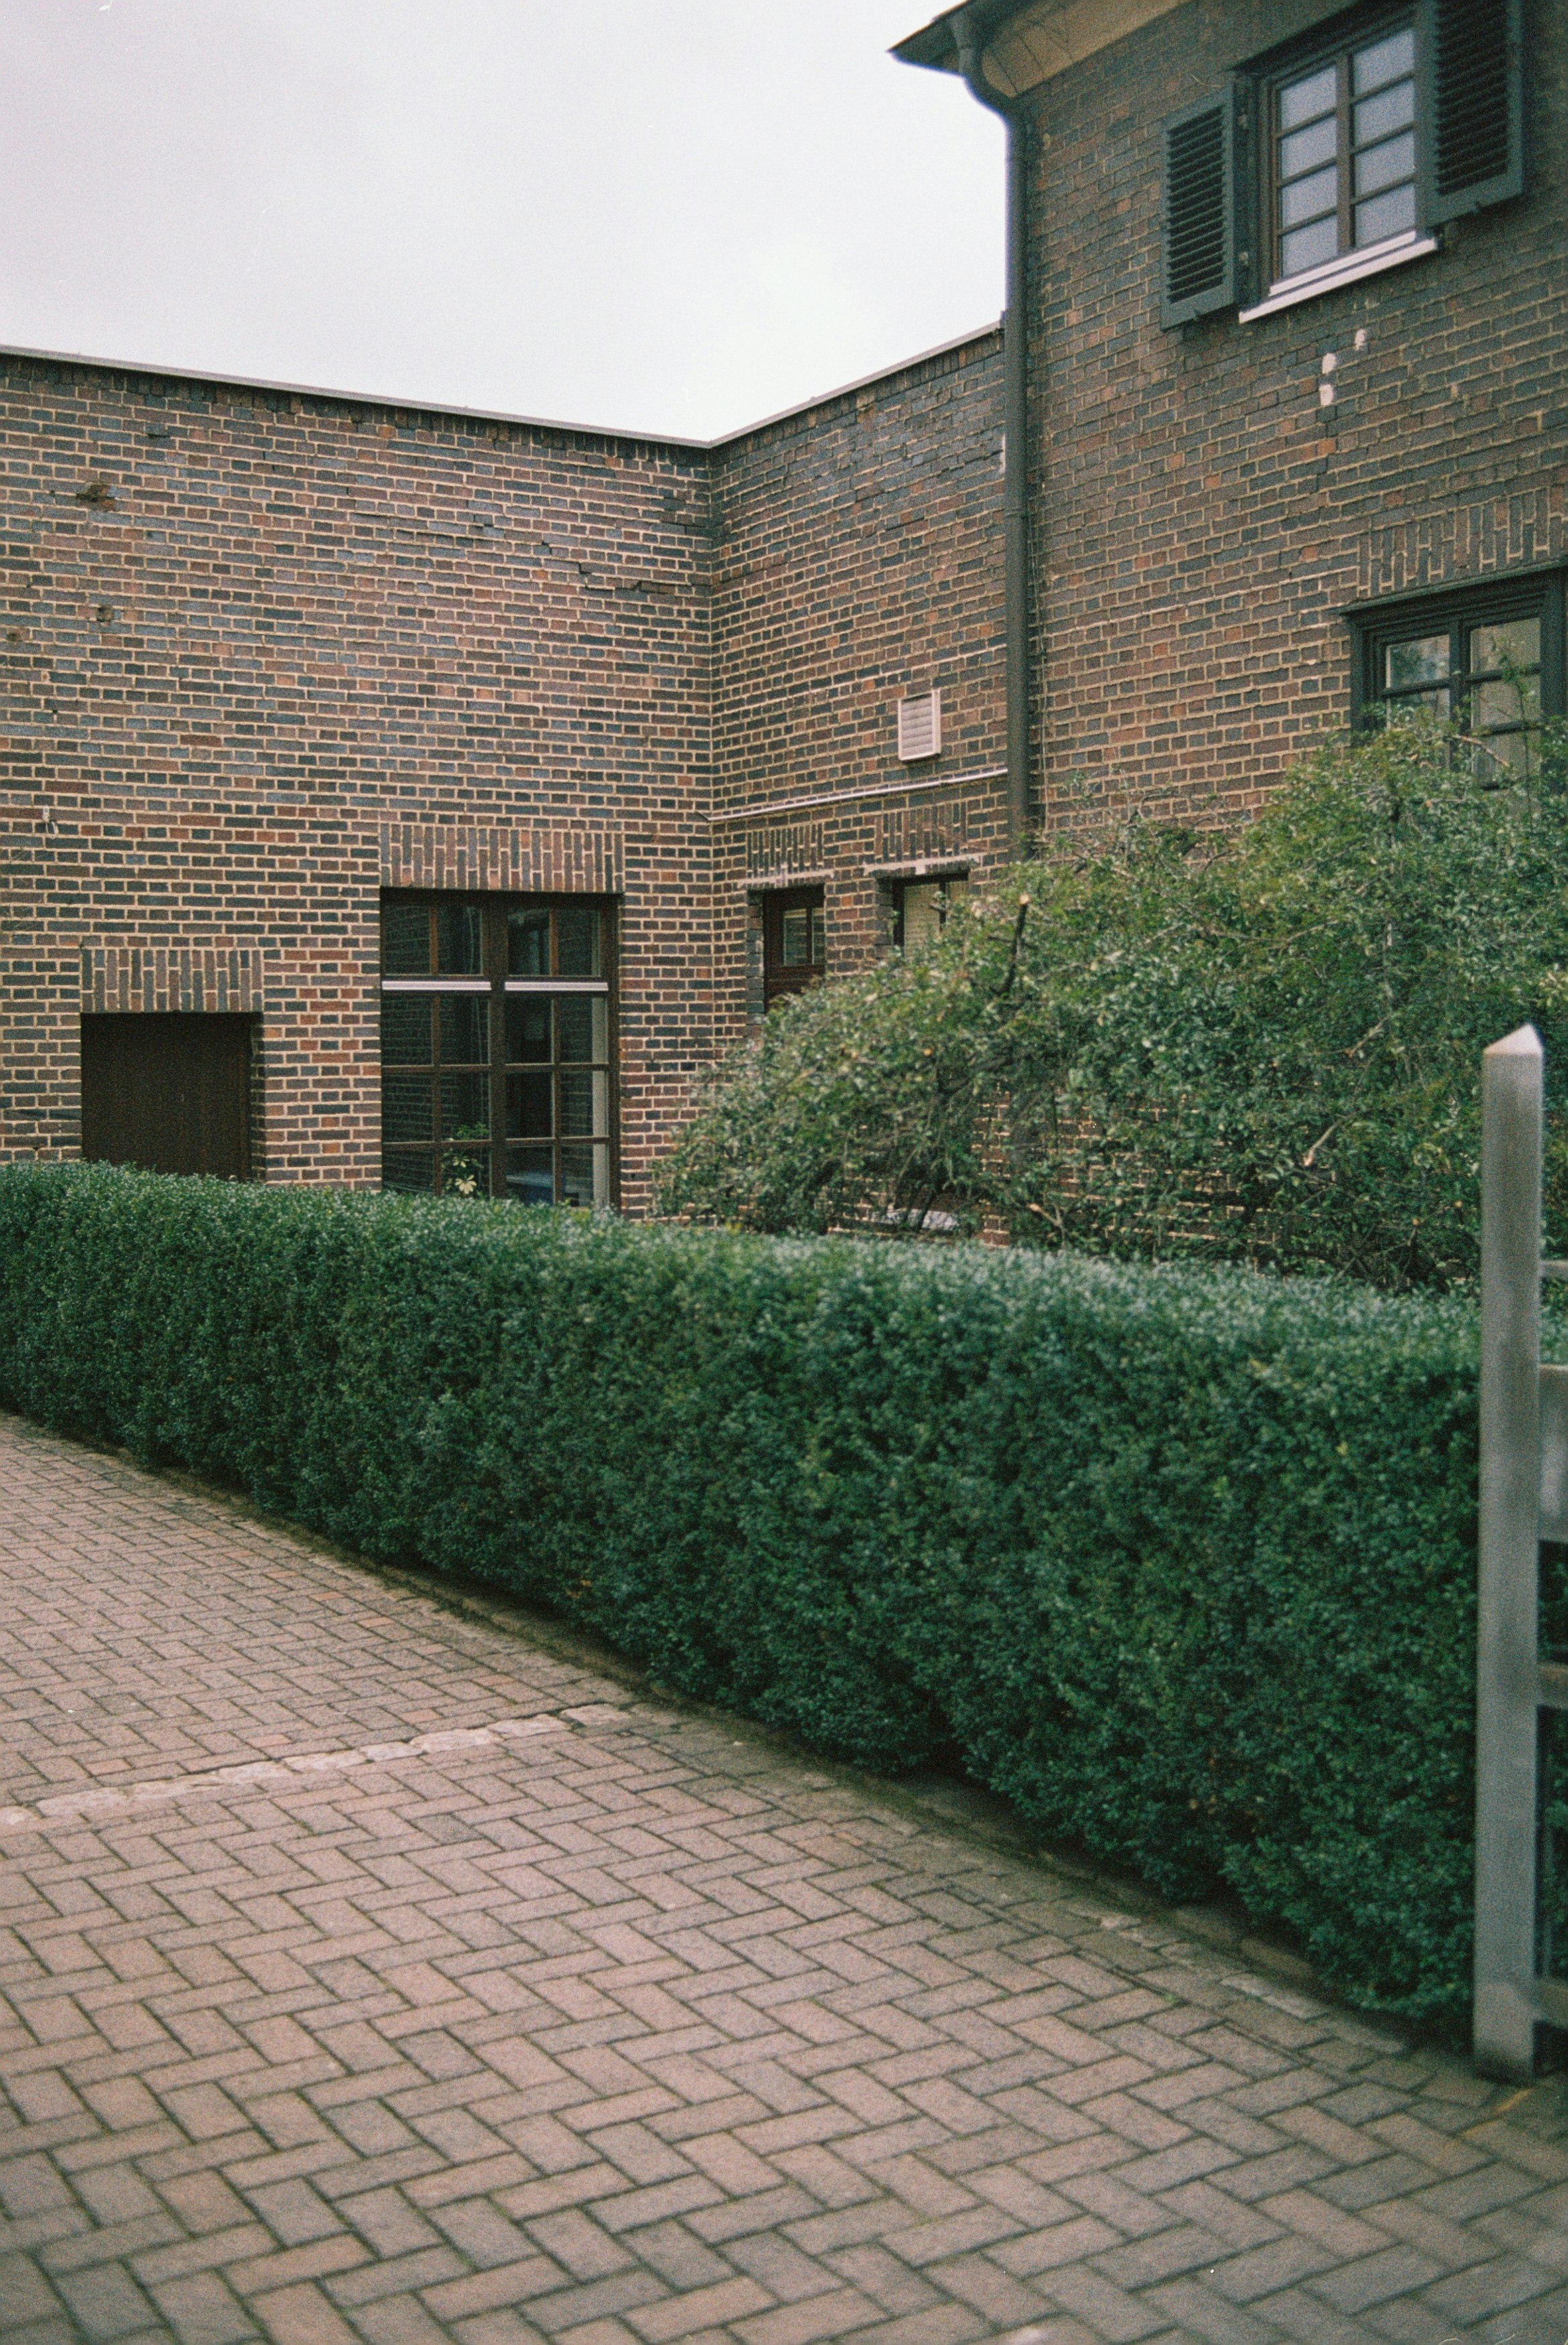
x=1180, y=1561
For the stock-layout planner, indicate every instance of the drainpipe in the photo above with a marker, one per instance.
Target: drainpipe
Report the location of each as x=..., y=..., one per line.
x=1015, y=411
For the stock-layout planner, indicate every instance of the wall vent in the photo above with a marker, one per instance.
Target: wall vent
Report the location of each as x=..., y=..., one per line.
x=920, y=727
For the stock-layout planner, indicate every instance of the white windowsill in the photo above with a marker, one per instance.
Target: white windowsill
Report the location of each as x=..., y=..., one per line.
x=1348, y=269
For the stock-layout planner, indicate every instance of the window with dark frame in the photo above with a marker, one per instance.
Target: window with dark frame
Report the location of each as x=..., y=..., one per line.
x=795, y=942
x=1340, y=155
x=496, y=1042
x=920, y=908
x=1486, y=658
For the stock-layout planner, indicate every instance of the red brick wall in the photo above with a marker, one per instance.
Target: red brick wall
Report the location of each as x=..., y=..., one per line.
x=857, y=559
x=1199, y=524
x=267, y=655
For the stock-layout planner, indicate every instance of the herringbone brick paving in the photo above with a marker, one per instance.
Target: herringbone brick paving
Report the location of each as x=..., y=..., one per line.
x=369, y=1974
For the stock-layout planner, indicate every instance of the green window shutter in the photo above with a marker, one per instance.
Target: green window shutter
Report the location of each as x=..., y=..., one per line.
x=1198, y=257
x=1472, y=66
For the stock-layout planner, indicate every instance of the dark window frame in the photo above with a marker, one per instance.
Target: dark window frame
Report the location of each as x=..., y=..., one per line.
x=782, y=978
x=945, y=882
x=1456, y=610
x=505, y=1162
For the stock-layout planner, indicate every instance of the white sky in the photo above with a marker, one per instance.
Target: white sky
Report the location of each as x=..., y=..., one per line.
x=663, y=214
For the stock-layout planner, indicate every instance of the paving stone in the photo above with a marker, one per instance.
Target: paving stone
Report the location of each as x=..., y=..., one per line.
x=489, y=2004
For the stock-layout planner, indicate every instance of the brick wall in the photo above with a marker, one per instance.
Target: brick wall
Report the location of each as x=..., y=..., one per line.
x=267, y=655
x=1199, y=521
x=857, y=559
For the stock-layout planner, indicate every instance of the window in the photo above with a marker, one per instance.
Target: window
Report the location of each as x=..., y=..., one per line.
x=794, y=951
x=1342, y=154
x=920, y=910
x=496, y=1048
x=1321, y=165
x=1489, y=659
x=169, y=1090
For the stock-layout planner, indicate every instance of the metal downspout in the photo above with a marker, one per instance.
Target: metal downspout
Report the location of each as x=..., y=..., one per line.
x=1016, y=413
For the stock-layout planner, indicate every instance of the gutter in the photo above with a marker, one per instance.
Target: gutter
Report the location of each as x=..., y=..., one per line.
x=966, y=28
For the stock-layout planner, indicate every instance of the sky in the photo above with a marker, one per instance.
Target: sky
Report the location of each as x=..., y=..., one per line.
x=672, y=215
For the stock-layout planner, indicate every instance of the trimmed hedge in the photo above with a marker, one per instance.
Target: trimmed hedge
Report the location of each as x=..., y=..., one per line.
x=1180, y=1561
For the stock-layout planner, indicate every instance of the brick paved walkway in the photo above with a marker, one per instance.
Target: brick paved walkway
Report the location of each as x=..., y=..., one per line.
x=366, y=1974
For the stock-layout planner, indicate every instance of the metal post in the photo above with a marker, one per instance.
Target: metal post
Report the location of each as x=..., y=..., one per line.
x=1507, y=1670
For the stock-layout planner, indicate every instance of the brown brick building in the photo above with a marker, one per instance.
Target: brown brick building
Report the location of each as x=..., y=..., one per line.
x=1297, y=374
x=340, y=737
x=431, y=796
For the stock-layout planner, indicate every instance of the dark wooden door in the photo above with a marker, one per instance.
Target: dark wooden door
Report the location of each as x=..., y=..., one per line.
x=169, y=1092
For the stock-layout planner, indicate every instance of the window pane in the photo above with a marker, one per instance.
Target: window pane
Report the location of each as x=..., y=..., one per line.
x=1308, y=198
x=1420, y=661
x=584, y=1024
x=1388, y=215
x=457, y=939
x=922, y=917
x=527, y=1032
x=1384, y=61
x=577, y=941
x=585, y=1101
x=406, y=939
x=794, y=935
x=1304, y=150
x=408, y=1169
x=530, y=1176
x=465, y=1107
x=1508, y=643
x=528, y=1107
x=585, y=1176
x=407, y=1106
x=1552, y=1948
x=1420, y=708
x=1390, y=111
x=1505, y=757
x=818, y=934
x=1508, y=701
x=406, y=1030
x=465, y=1028
x=527, y=944
x=1303, y=101
x=1386, y=165
x=1308, y=248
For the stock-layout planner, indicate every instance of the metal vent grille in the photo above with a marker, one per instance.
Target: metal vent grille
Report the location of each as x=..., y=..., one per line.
x=920, y=727
x=1195, y=231
x=1472, y=94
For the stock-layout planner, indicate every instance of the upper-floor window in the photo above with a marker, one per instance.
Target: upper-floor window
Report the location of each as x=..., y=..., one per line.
x=1336, y=157
x=497, y=1073
x=1343, y=153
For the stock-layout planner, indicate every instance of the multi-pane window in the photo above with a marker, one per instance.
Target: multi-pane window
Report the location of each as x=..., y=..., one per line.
x=496, y=1048
x=1344, y=153
x=794, y=945
x=1489, y=662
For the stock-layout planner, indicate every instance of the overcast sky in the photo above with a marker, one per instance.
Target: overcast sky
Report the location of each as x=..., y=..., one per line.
x=664, y=215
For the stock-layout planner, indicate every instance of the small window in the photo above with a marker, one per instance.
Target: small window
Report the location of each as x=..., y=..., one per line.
x=497, y=1073
x=794, y=950
x=1487, y=659
x=920, y=910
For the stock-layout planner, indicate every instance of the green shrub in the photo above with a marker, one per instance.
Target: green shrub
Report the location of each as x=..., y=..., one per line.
x=1260, y=1046
x=1180, y=1560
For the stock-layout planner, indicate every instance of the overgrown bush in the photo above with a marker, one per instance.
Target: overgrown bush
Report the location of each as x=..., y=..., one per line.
x=1182, y=1561
x=1260, y=1046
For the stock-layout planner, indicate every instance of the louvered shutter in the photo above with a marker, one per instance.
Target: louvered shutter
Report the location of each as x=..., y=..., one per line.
x=1472, y=93
x=1198, y=258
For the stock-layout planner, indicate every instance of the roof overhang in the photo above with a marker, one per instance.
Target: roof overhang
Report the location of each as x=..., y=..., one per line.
x=1028, y=42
